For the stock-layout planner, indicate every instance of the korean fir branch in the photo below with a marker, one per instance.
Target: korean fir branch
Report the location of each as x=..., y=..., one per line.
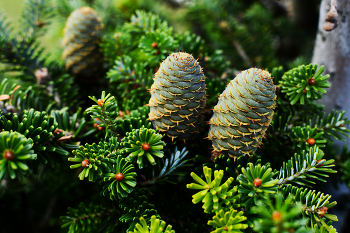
x=24, y=53
x=305, y=167
x=167, y=166
x=72, y=125
x=333, y=125
x=136, y=207
x=304, y=83
x=44, y=132
x=120, y=181
x=88, y=218
x=134, y=119
x=15, y=151
x=143, y=145
x=36, y=15
x=307, y=137
x=95, y=159
x=255, y=182
x=280, y=215
x=315, y=204
x=131, y=78
x=6, y=29
x=106, y=110
x=157, y=45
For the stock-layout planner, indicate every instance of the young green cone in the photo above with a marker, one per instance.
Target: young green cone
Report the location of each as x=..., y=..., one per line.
x=178, y=96
x=243, y=113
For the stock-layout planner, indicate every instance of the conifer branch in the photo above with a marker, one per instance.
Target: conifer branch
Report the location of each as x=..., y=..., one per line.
x=304, y=167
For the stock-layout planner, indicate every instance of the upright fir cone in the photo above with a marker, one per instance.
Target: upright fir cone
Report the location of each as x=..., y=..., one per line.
x=178, y=96
x=243, y=113
x=82, y=35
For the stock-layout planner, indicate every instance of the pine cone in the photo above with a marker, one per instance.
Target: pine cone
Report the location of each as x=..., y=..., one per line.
x=178, y=96
x=82, y=35
x=243, y=113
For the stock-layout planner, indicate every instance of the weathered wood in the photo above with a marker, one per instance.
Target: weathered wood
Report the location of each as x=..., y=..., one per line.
x=332, y=49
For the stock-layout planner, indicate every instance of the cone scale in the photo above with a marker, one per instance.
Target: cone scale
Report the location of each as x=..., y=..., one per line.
x=178, y=96
x=243, y=113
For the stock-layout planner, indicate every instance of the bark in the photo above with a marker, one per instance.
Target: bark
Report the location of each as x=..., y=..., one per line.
x=332, y=49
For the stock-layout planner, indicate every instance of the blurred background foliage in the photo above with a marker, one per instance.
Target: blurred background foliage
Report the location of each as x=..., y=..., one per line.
x=262, y=33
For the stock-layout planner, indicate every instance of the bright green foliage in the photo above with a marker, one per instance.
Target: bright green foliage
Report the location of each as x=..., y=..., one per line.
x=15, y=149
x=96, y=159
x=243, y=113
x=178, y=96
x=313, y=204
x=229, y=221
x=213, y=195
x=303, y=168
x=283, y=216
x=142, y=144
x=157, y=226
x=301, y=136
x=324, y=229
x=106, y=112
x=135, y=208
x=249, y=186
x=119, y=188
x=82, y=36
x=304, y=83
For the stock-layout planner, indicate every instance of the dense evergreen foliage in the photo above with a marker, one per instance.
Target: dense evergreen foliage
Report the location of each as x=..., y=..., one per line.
x=128, y=119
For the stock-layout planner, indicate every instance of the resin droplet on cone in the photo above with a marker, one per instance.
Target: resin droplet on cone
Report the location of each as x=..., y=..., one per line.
x=82, y=35
x=178, y=96
x=243, y=113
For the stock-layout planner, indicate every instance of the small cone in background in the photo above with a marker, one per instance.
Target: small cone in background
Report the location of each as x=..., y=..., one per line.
x=243, y=113
x=82, y=35
x=178, y=96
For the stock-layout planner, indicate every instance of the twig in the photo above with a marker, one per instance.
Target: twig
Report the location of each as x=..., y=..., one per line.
x=275, y=6
x=241, y=52
x=331, y=21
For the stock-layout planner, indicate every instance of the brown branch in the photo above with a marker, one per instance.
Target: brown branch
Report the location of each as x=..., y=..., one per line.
x=241, y=52
x=275, y=6
x=331, y=21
